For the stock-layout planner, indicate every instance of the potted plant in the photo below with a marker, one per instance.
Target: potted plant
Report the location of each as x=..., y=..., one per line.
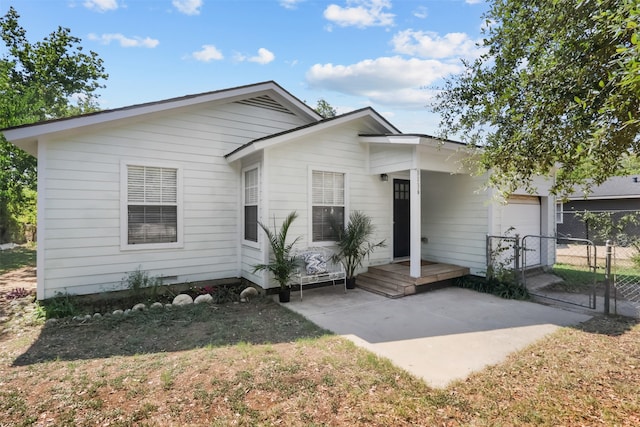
x=282, y=263
x=353, y=244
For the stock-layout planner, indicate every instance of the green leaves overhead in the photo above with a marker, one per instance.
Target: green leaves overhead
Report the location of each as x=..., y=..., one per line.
x=558, y=86
x=48, y=79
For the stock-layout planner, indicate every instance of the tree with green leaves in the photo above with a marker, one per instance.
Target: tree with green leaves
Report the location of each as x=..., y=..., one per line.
x=48, y=79
x=325, y=109
x=557, y=86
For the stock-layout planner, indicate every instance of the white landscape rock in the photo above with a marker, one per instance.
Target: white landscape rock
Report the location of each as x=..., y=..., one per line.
x=117, y=312
x=139, y=307
x=182, y=299
x=248, y=293
x=206, y=298
x=156, y=305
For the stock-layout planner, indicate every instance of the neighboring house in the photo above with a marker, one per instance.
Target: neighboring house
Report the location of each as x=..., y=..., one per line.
x=619, y=195
x=177, y=188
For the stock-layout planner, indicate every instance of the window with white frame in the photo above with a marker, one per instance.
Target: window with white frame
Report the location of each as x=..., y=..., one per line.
x=151, y=205
x=327, y=212
x=251, y=197
x=559, y=213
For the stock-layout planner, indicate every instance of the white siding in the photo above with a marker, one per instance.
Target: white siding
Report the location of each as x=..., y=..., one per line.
x=287, y=177
x=81, y=197
x=390, y=158
x=454, y=220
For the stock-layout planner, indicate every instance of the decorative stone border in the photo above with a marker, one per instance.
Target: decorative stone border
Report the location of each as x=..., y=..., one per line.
x=178, y=300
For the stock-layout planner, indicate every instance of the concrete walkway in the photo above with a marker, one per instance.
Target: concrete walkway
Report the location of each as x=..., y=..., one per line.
x=440, y=336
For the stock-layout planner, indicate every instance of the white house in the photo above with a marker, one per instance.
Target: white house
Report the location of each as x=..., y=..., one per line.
x=177, y=187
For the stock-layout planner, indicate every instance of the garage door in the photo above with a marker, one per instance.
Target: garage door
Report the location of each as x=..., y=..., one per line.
x=522, y=212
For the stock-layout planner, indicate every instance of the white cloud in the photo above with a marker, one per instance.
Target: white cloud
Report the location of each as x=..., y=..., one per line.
x=290, y=4
x=188, y=7
x=360, y=13
x=101, y=5
x=125, y=41
x=264, y=56
x=387, y=81
x=426, y=44
x=421, y=12
x=474, y=1
x=208, y=53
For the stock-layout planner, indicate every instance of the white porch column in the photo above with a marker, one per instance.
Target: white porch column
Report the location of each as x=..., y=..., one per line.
x=416, y=220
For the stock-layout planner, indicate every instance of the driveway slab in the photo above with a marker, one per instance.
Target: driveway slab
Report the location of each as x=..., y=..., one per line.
x=439, y=336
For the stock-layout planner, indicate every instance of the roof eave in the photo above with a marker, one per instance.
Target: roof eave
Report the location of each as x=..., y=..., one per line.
x=263, y=143
x=27, y=135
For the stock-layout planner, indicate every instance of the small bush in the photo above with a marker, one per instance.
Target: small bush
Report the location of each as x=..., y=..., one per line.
x=221, y=294
x=139, y=281
x=16, y=293
x=61, y=306
x=494, y=286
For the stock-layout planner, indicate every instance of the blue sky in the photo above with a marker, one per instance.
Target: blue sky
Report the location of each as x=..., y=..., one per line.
x=387, y=54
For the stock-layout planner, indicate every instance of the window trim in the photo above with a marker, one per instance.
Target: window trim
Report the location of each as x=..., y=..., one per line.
x=124, y=205
x=311, y=170
x=560, y=212
x=254, y=166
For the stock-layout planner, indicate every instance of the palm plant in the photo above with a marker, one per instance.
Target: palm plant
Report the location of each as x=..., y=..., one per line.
x=282, y=263
x=353, y=243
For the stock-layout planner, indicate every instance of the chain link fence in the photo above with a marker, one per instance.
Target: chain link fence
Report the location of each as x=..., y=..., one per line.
x=571, y=270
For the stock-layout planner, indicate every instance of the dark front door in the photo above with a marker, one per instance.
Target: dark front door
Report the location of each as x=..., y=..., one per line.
x=401, y=213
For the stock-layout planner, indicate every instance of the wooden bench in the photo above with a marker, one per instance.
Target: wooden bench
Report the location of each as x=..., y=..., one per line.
x=317, y=266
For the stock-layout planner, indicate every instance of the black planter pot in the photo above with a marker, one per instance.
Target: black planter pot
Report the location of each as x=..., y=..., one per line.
x=285, y=295
x=351, y=282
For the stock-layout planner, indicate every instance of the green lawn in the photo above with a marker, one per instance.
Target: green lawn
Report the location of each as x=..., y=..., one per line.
x=16, y=258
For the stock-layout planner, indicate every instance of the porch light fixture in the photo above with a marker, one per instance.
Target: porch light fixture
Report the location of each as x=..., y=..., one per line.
x=384, y=177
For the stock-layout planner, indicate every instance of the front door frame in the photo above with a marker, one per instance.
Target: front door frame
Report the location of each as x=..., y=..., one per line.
x=401, y=218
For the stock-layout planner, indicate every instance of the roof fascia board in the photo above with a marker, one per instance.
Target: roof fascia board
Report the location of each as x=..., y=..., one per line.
x=606, y=197
x=268, y=142
x=409, y=139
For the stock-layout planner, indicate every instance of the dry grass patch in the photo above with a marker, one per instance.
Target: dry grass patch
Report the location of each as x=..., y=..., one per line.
x=259, y=364
x=588, y=376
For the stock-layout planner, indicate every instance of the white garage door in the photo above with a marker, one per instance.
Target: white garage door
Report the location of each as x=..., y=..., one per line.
x=523, y=214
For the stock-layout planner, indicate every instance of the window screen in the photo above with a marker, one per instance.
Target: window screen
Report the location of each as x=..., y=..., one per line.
x=152, y=205
x=327, y=205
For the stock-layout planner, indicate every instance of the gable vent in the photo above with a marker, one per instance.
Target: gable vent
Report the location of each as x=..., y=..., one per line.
x=265, y=102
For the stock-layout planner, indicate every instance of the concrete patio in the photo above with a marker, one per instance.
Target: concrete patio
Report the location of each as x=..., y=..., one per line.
x=439, y=336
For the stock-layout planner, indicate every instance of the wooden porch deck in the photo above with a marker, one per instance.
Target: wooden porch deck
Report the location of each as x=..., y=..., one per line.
x=394, y=280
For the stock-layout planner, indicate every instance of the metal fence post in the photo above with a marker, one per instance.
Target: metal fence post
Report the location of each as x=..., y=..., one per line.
x=607, y=277
x=488, y=248
x=516, y=258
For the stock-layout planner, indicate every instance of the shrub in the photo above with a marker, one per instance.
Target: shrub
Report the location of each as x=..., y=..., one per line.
x=495, y=286
x=138, y=281
x=62, y=305
x=16, y=293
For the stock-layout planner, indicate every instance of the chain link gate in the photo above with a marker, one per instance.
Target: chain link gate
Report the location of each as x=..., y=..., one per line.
x=626, y=280
x=573, y=263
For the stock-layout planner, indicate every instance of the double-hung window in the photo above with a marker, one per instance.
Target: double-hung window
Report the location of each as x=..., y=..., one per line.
x=559, y=213
x=251, y=198
x=328, y=207
x=151, y=207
